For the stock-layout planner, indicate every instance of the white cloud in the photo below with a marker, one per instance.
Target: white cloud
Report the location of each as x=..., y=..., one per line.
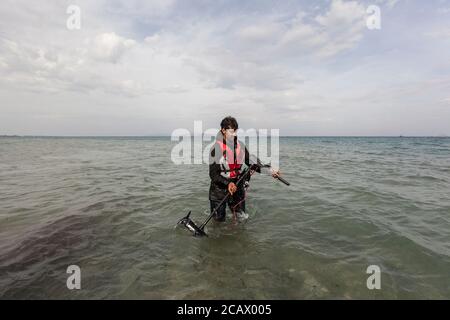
x=392, y=3
x=325, y=35
x=302, y=39
x=260, y=32
x=389, y=3
x=225, y=69
x=142, y=8
x=342, y=14
x=161, y=64
x=216, y=63
x=110, y=47
x=153, y=39
x=49, y=69
x=344, y=25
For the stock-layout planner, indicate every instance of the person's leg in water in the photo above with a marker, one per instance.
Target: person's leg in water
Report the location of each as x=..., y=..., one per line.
x=237, y=204
x=221, y=211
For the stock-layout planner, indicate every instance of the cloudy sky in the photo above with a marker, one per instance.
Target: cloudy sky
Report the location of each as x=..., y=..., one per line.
x=141, y=67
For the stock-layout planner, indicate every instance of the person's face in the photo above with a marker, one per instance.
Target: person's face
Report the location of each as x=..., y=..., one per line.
x=229, y=133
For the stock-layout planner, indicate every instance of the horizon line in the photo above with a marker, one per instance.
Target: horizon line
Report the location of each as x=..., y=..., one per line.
x=169, y=136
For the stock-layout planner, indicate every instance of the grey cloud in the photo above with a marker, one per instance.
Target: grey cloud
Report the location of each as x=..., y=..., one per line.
x=50, y=69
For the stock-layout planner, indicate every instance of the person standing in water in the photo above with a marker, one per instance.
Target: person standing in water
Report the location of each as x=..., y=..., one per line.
x=227, y=157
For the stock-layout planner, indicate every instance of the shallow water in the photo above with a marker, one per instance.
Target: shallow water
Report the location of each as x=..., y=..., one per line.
x=109, y=205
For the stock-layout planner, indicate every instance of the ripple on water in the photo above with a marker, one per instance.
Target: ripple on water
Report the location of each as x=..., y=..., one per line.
x=110, y=205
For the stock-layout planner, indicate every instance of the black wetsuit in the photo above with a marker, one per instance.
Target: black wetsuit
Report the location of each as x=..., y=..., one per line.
x=219, y=188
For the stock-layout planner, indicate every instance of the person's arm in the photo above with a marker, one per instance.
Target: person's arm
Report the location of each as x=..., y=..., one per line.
x=214, y=171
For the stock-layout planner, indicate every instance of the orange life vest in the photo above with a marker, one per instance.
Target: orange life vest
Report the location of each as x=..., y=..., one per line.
x=231, y=162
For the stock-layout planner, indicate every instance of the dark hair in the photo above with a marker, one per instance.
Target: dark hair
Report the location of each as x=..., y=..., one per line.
x=229, y=123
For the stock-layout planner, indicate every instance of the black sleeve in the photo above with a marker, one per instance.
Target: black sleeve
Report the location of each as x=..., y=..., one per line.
x=214, y=172
x=247, y=160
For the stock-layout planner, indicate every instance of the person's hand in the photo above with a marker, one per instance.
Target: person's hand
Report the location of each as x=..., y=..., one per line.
x=232, y=188
x=275, y=173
